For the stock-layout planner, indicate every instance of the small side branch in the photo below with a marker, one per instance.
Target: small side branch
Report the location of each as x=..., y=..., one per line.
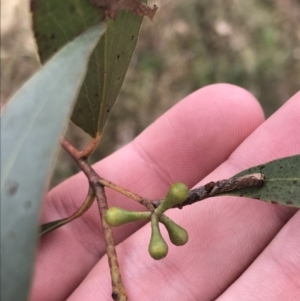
x=84, y=154
x=143, y=201
x=92, y=175
x=90, y=148
x=48, y=227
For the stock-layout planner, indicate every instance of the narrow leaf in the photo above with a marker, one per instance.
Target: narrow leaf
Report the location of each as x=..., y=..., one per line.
x=30, y=127
x=282, y=182
x=56, y=22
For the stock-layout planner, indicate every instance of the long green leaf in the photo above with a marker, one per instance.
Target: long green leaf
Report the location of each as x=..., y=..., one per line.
x=282, y=184
x=30, y=127
x=56, y=22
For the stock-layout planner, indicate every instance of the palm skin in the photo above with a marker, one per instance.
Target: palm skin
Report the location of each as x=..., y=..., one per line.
x=238, y=249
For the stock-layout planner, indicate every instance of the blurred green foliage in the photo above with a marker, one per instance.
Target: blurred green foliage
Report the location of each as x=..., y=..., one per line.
x=190, y=44
x=254, y=44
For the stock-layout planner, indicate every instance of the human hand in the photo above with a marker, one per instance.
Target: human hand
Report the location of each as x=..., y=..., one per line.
x=238, y=249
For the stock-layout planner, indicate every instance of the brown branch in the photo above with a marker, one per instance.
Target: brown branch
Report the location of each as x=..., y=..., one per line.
x=118, y=290
x=215, y=188
x=84, y=154
x=195, y=195
x=74, y=152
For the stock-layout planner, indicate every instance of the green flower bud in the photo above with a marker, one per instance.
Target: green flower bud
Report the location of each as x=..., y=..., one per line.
x=116, y=216
x=177, y=234
x=158, y=248
x=177, y=194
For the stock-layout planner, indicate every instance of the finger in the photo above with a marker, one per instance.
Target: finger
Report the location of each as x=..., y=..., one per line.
x=177, y=147
x=226, y=233
x=275, y=274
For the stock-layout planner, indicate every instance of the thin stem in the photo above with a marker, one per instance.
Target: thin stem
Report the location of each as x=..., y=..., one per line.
x=118, y=290
x=143, y=201
x=90, y=147
x=48, y=227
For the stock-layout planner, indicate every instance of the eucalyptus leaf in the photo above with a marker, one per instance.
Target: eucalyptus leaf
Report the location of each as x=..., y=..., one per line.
x=282, y=182
x=31, y=124
x=56, y=22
